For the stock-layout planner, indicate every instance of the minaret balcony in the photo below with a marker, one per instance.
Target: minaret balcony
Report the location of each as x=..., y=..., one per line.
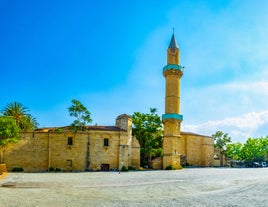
x=172, y=116
x=173, y=67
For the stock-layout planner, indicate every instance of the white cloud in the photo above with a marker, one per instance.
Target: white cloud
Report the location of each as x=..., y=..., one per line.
x=239, y=128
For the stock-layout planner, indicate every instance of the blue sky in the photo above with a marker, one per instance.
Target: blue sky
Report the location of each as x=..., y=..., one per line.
x=110, y=55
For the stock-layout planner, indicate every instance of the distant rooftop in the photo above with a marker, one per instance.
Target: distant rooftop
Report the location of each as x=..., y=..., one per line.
x=86, y=128
x=191, y=133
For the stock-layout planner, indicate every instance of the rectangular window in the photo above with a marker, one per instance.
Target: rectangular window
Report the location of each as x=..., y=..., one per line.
x=106, y=142
x=70, y=141
x=69, y=163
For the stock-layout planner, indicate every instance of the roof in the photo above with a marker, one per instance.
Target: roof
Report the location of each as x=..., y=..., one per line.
x=191, y=133
x=86, y=128
x=173, y=42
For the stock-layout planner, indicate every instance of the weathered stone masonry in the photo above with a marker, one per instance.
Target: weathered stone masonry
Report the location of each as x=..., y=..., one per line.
x=96, y=148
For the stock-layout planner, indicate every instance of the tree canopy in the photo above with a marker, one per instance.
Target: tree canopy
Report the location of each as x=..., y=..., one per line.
x=148, y=130
x=255, y=149
x=9, y=132
x=81, y=113
x=221, y=140
x=14, y=118
x=21, y=115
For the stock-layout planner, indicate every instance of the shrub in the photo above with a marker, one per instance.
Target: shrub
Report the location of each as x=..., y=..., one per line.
x=169, y=167
x=124, y=169
x=57, y=170
x=58, y=130
x=17, y=169
x=131, y=168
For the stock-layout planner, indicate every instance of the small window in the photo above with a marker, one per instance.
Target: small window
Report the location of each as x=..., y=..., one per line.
x=70, y=141
x=106, y=142
x=69, y=163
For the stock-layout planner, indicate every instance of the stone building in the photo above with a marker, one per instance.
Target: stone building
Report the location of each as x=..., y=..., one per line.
x=180, y=147
x=111, y=147
x=95, y=148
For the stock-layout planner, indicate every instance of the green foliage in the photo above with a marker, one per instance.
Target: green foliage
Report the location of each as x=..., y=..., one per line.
x=169, y=167
x=9, y=131
x=124, y=169
x=131, y=168
x=255, y=149
x=17, y=169
x=57, y=170
x=221, y=140
x=234, y=151
x=54, y=169
x=59, y=130
x=20, y=113
x=148, y=130
x=81, y=113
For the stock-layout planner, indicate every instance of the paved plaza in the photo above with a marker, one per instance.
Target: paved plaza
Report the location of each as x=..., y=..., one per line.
x=187, y=187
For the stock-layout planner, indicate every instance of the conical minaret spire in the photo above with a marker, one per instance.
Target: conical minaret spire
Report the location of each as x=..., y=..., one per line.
x=173, y=43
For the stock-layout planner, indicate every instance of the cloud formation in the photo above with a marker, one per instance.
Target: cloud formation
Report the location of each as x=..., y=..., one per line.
x=239, y=111
x=239, y=128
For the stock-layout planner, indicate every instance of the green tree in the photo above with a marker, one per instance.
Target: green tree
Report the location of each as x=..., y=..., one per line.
x=264, y=147
x=81, y=113
x=9, y=133
x=21, y=114
x=148, y=130
x=234, y=151
x=254, y=150
x=220, y=142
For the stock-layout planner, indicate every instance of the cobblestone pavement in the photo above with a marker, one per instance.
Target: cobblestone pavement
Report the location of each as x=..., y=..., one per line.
x=188, y=187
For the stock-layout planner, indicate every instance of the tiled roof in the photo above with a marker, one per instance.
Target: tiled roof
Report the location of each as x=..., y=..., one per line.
x=191, y=133
x=86, y=128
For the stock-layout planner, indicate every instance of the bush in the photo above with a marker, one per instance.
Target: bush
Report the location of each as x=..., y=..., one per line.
x=17, y=169
x=124, y=169
x=169, y=168
x=53, y=169
x=57, y=170
x=58, y=130
x=131, y=168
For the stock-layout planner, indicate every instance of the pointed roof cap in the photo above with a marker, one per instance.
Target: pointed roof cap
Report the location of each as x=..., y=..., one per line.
x=173, y=42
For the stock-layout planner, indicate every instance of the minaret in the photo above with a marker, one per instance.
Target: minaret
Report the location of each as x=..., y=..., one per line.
x=172, y=118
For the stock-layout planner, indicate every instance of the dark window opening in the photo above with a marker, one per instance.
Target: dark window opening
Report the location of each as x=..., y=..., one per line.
x=106, y=142
x=69, y=163
x=70, y=141
x=105, y=167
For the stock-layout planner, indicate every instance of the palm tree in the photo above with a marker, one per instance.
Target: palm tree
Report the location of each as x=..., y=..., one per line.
x=20, y=113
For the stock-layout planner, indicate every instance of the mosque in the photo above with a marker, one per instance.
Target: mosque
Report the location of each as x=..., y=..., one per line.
x=112, y=147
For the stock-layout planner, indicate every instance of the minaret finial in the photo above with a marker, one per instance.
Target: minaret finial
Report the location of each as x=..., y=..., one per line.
x=173, y=30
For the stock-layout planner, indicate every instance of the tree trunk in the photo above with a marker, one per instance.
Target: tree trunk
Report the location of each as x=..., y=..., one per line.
x=1, y=155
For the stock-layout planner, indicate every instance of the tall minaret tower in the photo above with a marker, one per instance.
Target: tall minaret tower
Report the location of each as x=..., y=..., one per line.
x=172, y=118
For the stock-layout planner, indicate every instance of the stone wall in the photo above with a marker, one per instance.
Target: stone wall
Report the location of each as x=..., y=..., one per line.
x=198, y=149
x=135, y=153
x=30, y=153
x=69, y=151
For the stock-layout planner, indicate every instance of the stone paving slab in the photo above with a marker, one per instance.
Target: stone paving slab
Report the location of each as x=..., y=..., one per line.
x=188, y=187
